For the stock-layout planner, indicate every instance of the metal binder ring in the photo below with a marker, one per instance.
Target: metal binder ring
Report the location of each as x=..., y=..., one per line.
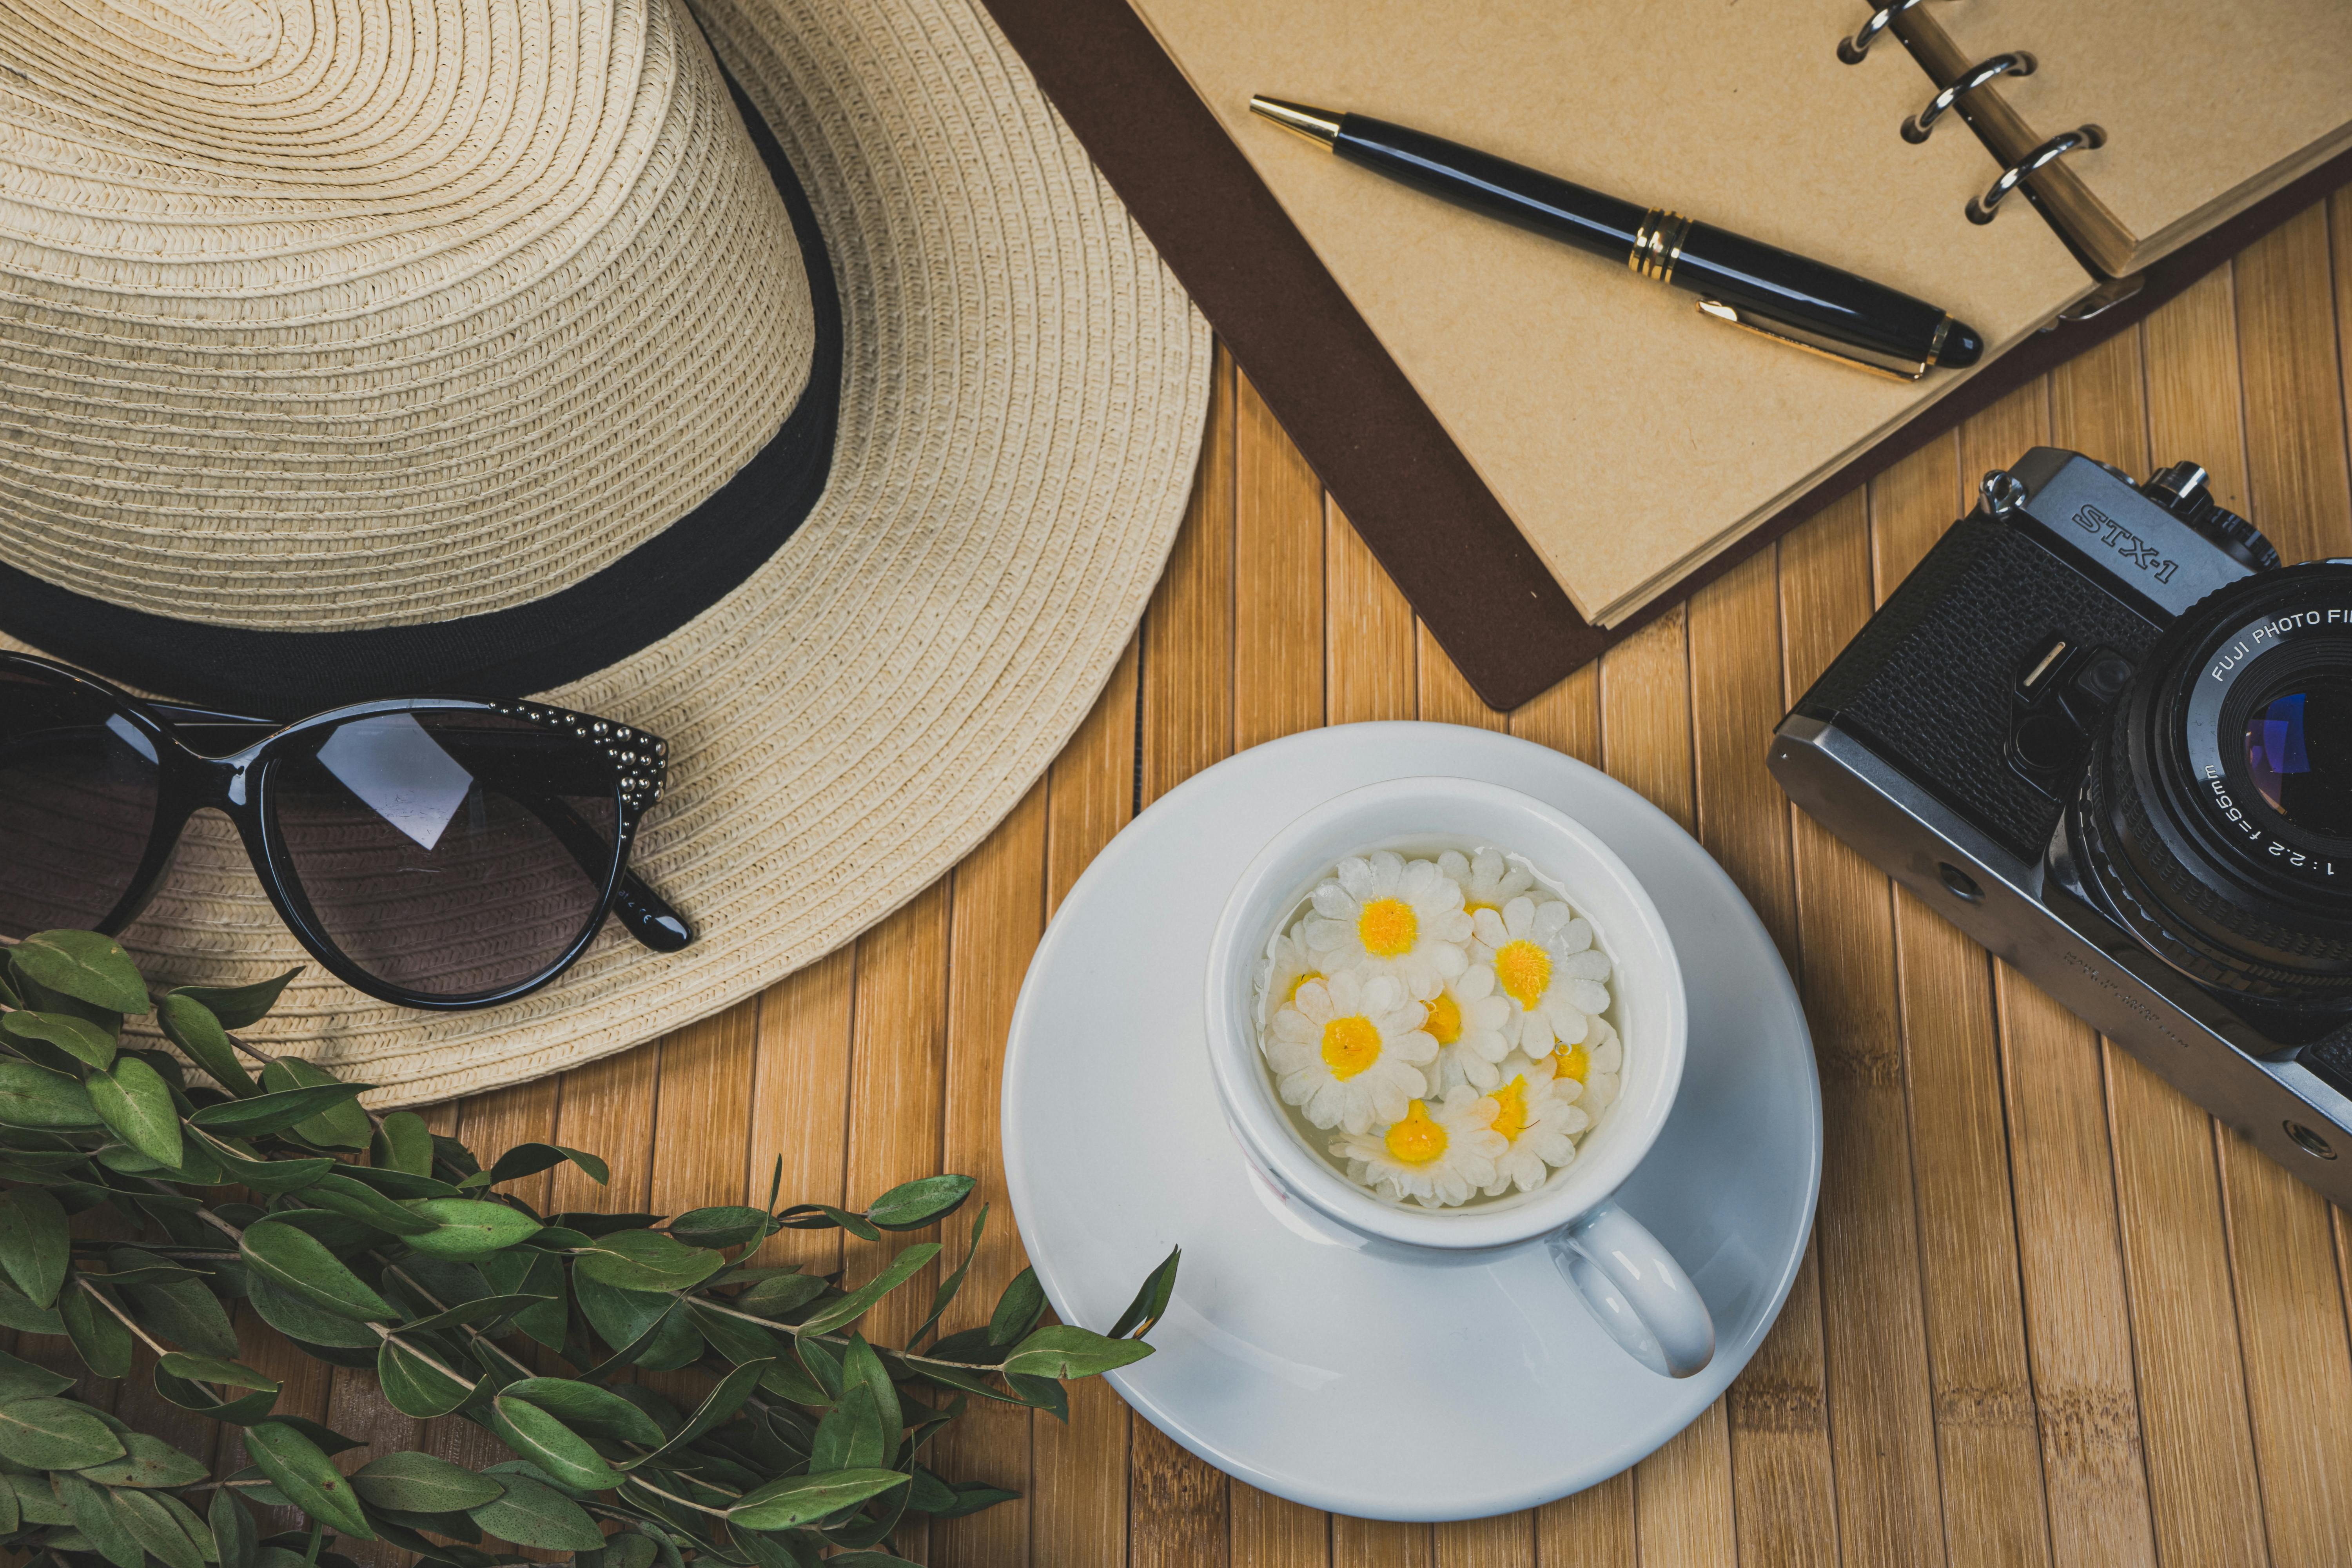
x=1851, y=50
x=1922, y=124
x=1985, y=208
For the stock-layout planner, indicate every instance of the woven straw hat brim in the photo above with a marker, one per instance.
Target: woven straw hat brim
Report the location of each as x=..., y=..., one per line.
x=1022, y=398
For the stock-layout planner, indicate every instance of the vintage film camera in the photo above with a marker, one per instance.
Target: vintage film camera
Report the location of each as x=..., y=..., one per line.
x=2104, y=732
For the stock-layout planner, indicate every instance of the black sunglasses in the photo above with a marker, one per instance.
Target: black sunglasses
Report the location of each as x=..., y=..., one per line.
x=441, y=852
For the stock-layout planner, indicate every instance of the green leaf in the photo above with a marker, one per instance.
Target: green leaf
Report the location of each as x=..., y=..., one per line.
x=421, y=1483
x=946, y=1293
x=588, y=1409
x=1061, y=1351
x=914, y=1204
x=134, y=1102
x=147, y=1462
x=297, y=1317
x=803, y=1500
x=850, y=1436
x=294, y=1260
x=151, y=1523
x=534, y=1514
x=232, y=1530
x=412, y=1387
x=239, y=1007
x=241, y=1412
x=780, y=1296
x=621, y=1318
x=23, y=1380
x=356, y=1200
x=403, y=1143
x=100, y=1525
x=178, y=1309
x=480, y=1310
x=17, y=1310
x=825, y=1216
x=1150, y=1301
x=721, y=1405
x=98, y=1337
x=76, y=1036
x=265, y=1176
x=37, y=1501
x=84, y=966
x=341, y=1125
x=532, y=1273
x=214, y=1369
x=861, y=1368
x=12, y=1518
x=530, y=1159
x=538, y=1436
x=37, y=1098
x=49, y=1434
x=468, y=1228
x=34, y=1245
x=728, y=1226
x=854, y=1306
x=1041, y=1393
x=193, y=1027
x=645, y=1260
x=301, y=1469
x=274, y=1112
x=1017, y=1311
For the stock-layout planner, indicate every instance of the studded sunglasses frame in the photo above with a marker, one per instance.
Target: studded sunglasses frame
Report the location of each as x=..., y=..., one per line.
x=192, y=777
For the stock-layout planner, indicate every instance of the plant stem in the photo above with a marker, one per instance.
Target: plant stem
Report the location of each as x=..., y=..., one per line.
x=473, y=1335
x=144, y=1338
x=709, y=1305
x=671, y=1496
x=431, y=1361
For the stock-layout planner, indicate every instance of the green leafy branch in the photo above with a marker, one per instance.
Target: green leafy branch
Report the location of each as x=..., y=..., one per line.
x=138, y=1206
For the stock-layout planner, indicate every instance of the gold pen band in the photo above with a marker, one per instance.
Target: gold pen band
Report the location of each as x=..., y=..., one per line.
x=1658, y=245
x=1943, y=330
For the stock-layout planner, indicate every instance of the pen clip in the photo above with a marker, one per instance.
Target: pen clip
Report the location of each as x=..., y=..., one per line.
x=1799, y=338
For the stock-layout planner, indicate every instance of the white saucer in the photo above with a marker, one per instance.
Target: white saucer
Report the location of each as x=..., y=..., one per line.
x=1307, y=1366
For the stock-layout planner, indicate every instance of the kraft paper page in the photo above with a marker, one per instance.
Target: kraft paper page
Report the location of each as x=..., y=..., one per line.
x=1628, y=436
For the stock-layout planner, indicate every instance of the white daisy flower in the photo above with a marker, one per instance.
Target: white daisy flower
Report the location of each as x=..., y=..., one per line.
x=1487, y=880
x=1545, y=962
x=1348, y=1051
x=1588, y=1072
x=1539, y=1127
x=1470, y=1025
x=1288, y=966
x=1386, y=916
x=1436, y=1158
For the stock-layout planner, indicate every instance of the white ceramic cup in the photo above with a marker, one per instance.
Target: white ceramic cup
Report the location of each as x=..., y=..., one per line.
x=1630, y=1282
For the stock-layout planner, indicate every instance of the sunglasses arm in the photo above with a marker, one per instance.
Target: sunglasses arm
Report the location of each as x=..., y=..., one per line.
x=648, y=917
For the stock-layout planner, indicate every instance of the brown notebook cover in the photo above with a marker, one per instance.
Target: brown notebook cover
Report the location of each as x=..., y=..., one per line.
x=1420, y=506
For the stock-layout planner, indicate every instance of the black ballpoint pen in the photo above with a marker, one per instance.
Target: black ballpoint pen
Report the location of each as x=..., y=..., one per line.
x=1774, y=292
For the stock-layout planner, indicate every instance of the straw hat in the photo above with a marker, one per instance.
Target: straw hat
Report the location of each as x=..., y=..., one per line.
x=833, y=425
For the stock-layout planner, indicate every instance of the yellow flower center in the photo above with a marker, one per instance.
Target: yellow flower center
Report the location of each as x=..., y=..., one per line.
x=1523, y=971
x=1387, y=927
x=1305, y=976
x=1444, y=1020
x=1350, y=1046
x=1571, y=1061
x=1471, y=906
x=1417, y=1140
x=1512, y=1119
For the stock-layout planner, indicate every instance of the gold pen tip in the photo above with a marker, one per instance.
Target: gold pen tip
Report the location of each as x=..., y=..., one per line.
x=1320, y=126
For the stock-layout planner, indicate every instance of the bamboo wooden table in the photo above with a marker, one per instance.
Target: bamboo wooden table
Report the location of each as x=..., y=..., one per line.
x=2052, y=1314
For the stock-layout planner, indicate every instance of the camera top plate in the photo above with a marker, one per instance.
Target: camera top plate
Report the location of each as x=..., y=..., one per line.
x=2126, y=541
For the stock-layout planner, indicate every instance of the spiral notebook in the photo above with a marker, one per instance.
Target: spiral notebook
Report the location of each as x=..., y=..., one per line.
x=1569, y=417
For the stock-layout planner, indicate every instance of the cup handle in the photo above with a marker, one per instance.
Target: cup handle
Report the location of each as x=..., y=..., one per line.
x=1633, y=1285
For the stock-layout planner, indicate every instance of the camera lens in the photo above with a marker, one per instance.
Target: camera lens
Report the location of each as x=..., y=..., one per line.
x=2215, y=819
x=2299, y=752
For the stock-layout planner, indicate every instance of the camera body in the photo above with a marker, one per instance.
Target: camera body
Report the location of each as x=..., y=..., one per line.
x=2045, y=733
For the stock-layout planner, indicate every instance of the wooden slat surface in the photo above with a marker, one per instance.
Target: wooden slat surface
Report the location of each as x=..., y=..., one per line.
x=2051, y=1314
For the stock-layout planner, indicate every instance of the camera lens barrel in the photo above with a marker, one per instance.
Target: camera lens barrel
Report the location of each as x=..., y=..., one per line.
x=2216, y=814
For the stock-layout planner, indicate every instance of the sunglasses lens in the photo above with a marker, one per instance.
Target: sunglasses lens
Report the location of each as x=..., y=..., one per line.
x=78, y=793
x=450, y=853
